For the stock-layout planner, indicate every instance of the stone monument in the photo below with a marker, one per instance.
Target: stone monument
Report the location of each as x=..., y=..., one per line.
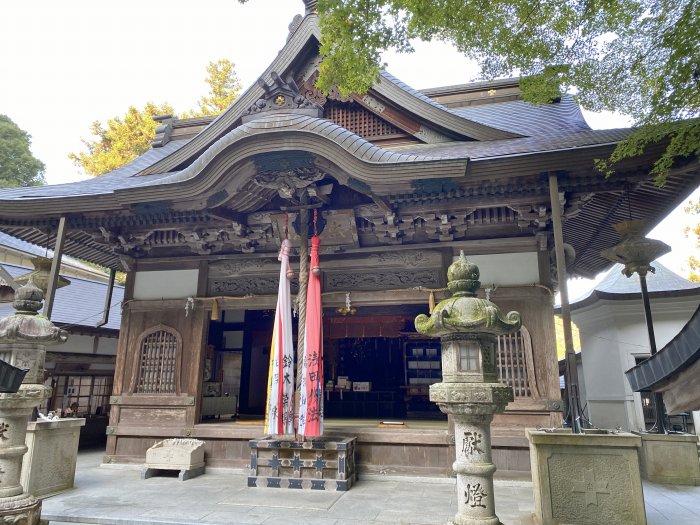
x=23, y=340
x=470, y=392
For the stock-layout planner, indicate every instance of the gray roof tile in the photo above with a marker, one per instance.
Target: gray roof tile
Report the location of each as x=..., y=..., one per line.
x=517, y=116
x=117, y=179
x=80, y=303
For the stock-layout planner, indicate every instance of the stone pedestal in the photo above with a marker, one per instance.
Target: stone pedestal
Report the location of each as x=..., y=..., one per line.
x=590, y=479
x=670, y=458
x=49, y=466
x=472, y=406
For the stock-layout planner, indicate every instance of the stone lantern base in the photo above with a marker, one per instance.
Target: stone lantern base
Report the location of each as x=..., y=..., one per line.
x=20, y=510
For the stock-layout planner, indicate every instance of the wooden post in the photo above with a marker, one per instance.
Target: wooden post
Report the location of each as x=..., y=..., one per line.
x=108, y=298
x=55, y=267
x=571, y=375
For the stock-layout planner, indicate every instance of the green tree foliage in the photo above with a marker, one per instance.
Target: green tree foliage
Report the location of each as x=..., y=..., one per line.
x=693, y=208
x=125, y=138
x=637, y=57
x=18, y=167
x=559, y=334
x=224, y=89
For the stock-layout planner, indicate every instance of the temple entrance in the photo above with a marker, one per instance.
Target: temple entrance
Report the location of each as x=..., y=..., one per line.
x=375, y=368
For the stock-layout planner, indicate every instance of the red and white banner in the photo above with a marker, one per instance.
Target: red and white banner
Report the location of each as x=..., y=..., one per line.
x=279, y=411
x=311, y=400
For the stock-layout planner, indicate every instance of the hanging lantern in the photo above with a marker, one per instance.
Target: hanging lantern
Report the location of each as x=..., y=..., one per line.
x=40, y=275
x=635, y=251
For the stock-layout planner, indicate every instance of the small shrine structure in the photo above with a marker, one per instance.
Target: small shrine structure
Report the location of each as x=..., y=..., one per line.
x=402, y=181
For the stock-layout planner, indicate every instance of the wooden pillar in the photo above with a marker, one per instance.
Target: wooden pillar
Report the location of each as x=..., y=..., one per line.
x=55, y=267
x=571, y=376
x=108, y=298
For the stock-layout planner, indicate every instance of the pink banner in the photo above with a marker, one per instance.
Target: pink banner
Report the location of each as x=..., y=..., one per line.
x=311, y=402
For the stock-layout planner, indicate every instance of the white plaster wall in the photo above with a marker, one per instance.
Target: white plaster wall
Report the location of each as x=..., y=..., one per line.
x=167, y=284
x=506, y=269
x=107, y=345
x=613, y=333
x=84, y=344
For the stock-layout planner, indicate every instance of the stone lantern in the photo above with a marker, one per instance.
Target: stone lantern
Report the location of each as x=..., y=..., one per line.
x=23, y=340
x=468, y=327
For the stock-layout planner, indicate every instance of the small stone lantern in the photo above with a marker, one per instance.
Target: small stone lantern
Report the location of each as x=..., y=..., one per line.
x=467, y=327
x=23, y=340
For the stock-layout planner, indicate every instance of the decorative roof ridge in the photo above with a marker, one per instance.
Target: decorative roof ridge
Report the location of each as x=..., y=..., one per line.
x=469, y=87
x=294, y=122
x=435, y=113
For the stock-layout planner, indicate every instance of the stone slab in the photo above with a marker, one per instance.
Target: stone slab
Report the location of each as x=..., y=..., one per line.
x=176, y=454
x=586, y=479
x=670, y=458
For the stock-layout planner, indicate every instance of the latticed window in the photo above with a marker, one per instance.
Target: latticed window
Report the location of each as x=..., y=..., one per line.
x=357, y=119
x=515, y=366
x=158, y=362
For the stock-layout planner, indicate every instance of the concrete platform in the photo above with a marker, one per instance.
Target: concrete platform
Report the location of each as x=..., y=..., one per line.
x=115, y=495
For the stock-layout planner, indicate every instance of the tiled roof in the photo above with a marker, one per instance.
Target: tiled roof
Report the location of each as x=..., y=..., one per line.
x=662, y=280
x=617, y=285
x=475, y=150
x=32, y=249
x=517, y=116
x=80, y=303
x=117, y=179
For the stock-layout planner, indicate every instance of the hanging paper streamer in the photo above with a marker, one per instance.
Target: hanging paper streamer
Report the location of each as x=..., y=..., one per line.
x=311, y=402
x=279, y=411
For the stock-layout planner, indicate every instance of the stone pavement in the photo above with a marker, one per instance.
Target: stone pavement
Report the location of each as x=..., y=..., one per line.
x=114, y=495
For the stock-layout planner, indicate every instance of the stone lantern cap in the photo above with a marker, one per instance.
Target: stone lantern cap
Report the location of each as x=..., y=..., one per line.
x=464, y=312
x=26, y=325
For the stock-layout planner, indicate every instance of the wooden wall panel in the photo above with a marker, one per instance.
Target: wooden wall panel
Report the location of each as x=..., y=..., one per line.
x=163, y=416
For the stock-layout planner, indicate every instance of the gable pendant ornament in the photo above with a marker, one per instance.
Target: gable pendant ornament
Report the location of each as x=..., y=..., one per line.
x=281, y=97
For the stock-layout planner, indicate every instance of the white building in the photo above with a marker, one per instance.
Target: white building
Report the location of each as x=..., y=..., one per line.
x=614, y=338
